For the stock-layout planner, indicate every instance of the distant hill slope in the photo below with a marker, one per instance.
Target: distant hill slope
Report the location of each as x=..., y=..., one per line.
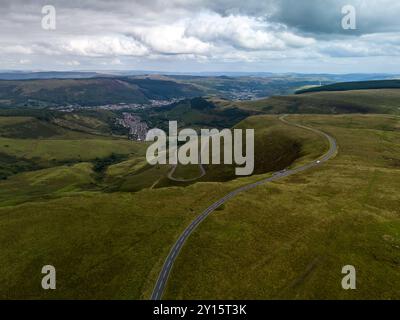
x=195, y=113
x=355, y=101
x=90, y=92
x=248, y=87
x=17, y=75
x=357, y=85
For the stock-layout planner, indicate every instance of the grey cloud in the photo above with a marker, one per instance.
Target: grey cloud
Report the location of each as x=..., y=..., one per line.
x=324, y=17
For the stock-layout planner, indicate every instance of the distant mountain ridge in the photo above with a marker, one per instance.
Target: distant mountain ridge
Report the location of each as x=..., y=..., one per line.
x=46, y=75
x=21, y=75
x=51, y=89
x=91, y=91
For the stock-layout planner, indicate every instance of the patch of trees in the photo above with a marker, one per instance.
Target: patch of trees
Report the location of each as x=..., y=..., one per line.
x=100, y=164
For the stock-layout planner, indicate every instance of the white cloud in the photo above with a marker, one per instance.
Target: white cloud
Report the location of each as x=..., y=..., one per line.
x=116, y=62
x=239, y=31
x=73, y=63
x=243, y=32
x=104, y=46
x=24, y=61
x=293, y=40
x=170, y=39
x=16, y=49
x=374, y=45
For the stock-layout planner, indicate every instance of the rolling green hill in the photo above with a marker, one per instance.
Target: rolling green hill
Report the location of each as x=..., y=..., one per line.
x=74, y=195
x=288, y=239
x=355, y=101
x=113, y=228
x=291, y=238
x=356, y=85
x=276, y=147
x=92, y=121
x=28, y=143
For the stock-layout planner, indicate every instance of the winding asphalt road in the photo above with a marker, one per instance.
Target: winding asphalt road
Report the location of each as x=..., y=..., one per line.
x=166, y=269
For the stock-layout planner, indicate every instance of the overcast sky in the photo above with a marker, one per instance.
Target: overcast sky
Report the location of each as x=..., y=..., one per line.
x=201, y=35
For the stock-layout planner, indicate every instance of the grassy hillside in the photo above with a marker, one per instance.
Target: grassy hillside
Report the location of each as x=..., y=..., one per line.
x=67, y=149
x=276, y=147
x=99, y=122
x=290, y=239
x=27, y=143
x=105, y=242
x=357, y=101
x=91, y=206
x=46, y=122
x=30, y=127
x=104, y=245
x=284, y=240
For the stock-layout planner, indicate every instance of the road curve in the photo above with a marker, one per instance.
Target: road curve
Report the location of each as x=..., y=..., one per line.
x=171, y=173
x=166, y=269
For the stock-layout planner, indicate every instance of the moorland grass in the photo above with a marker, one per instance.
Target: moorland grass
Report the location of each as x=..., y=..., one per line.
x=108, y=244
x=290, y=239
x=287, y=239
